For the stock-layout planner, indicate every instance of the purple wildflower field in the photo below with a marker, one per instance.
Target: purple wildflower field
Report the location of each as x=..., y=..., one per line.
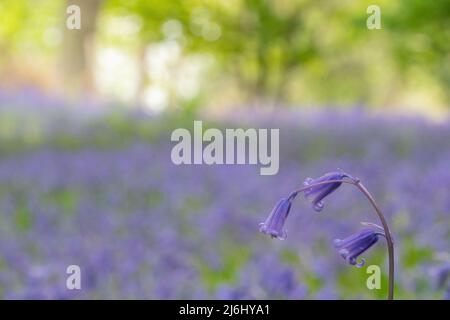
x=101, y=192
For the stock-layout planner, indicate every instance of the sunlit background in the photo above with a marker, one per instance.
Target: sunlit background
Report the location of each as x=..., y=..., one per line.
x=219, y=54
x=85, y=123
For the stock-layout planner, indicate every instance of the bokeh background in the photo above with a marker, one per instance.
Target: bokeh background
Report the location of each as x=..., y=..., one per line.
x=86, y=117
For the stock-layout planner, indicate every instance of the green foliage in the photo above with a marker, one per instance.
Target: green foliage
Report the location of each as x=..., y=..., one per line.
x=302, y=51
x=296, y=52
x=232, y=257
x=65, y=200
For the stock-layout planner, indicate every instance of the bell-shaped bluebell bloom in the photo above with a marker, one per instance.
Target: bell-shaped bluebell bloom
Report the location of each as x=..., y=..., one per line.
x=350, y=248
x=442, y=274
x=274, y=224
x=316, y=194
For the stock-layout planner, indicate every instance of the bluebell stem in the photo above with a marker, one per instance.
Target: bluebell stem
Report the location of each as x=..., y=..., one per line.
x=274, y=224
x=351, y=247
x=316, y=194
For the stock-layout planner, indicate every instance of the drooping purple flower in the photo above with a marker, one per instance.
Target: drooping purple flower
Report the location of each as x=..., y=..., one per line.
x=274, y=224
x=442, y=274
x=353, y=246
x=318, y=193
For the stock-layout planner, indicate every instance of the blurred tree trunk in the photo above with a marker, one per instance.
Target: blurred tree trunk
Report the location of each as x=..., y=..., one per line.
x=142, y=76
x=78, y=48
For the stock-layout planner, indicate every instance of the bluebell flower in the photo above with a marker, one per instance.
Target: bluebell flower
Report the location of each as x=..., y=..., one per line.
x=274, y=224
x=353, y=246
x=442, y=274
x=318, y=193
